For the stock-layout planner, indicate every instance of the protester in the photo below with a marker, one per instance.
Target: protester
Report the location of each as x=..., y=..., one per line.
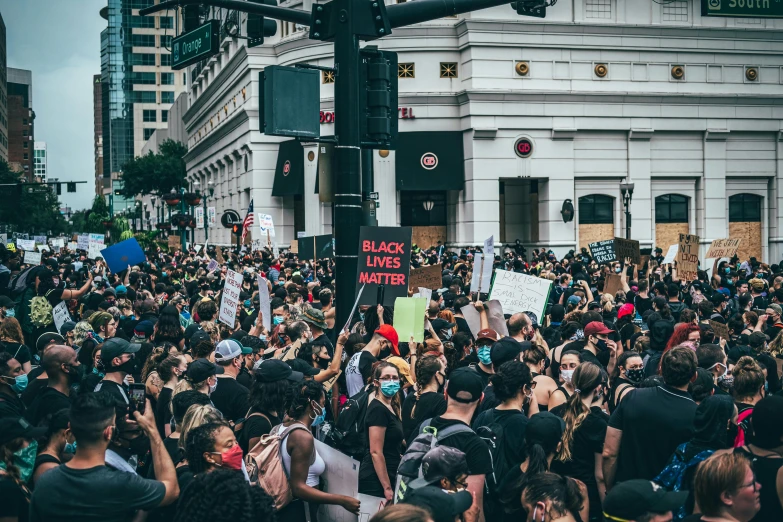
x=641, y=500
x=238, y=500
x=63, y=370
x=553, y=498
x=726, y=489
x=54, y=445
x=569, y=361
x=427, y=401
x=13, y=382
x=18, y=447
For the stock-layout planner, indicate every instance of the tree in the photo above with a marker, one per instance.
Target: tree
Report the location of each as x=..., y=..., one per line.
x=155, y=173
x=97, y=215
x=28, y=208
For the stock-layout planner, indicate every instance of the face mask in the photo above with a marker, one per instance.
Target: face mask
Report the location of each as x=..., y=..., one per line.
x=390, y=388
x=262, y=337
x=727, y=269
x=248, y=304
x=126, y=367
x=20, y=383
x=24, y=459
x=163, y=274
x=361, y=316
x=618, y=270
x=212, y=387
x=320, y=417
x=770, y=320
x=75, y=374
x=635, y=374
x=483, y=355
x=567, y=375
x=232, y=458
x=601, y=344
x=96, y=372
x=278, y=319
x=726, y=381
x=324, y=363
x=10, y=313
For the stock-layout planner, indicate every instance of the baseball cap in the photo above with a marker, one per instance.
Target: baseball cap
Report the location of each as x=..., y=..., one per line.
x=442, y=505
x=441, y=324
x=488, y=333
x=757, y=339
x=465, y=385
x=199, y=336
x=404, y=368
x=440, y=462
x=143, y=329
x=626, y=309
x=388, y=332
x=121, y=290
x=229, y=349
x=776, y=308
x=574, y=300
x=202, y=369
x=596, y=328
x=6, y=302
x=634, y=498
x=273, y=370
x=115, y=347
x=14, y=427
x=504, y=350
x=545, y=429
x=48, y=338
x=66, y=327
x=766, y=421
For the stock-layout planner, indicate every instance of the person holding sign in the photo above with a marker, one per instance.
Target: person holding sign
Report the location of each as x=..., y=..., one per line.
x=316, y=357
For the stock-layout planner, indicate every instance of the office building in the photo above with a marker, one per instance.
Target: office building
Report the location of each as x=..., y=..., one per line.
x=39, y=161
x=97, y=125
x=3, y=94
x=20, y=121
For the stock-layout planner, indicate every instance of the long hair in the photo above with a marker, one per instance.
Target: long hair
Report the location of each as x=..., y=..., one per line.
x=195, y=417
x=168, y=324
x=271, y=396
x=10, y=330
x=426, y=370
x=377, y=369
x=303, y=394
x=621, y=362
x=587, y=377
x=562, y=492
x=157, y=356
x=680, y=335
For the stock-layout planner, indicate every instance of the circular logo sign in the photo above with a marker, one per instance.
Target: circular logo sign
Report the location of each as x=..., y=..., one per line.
x=429, y=161
x=286, y=168
x=523, y=147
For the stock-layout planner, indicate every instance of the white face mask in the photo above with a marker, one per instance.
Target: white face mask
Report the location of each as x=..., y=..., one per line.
x=567, y=375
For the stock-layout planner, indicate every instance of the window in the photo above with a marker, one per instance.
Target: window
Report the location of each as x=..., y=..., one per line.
x=744, y=208
x=596, y=210
x=165, y=59
x=167, y=78
x=165, y=41
x=406, y=70
x=164, y=116
x=140, y=4
x=143, y=40
x=149, y=116
x=148, y=133
x=24, y=132
x=167, y=97
x=144, y=22
x=26, y=156
x=143, y=78
x=142, y=59
x=144, y=97
x=24, y=121
x=24, y=145
x=671, y=208
x=675, y=11
x=166, y=22
x=599, y=9
x=448, y=70
x=413, y=213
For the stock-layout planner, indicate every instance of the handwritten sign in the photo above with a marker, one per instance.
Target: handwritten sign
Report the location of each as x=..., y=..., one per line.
x=32, y=258
x=521, y=292
x=627, y=248
x=72, y=245
x=83, y=241
x=41, y=240
x=94, y=250
x=212, y=266
x=688, y=257
x=175, y=242
x=723, y=248
x=427, y=277
x=671, y=255
x=264, y=303
x=26, y=244
x=603, y=251
x=97, y=238
x=230, y=299
x=60, y=315
x=721, y=330
x=612, y=284
x=384, y=259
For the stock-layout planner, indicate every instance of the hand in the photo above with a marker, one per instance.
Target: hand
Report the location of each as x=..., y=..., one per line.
x=479, y=306
x=129, y=379
x=350, y=504
x=343, y=338
x=763, y=318
x=472, y=514
x=147, y=421
x=379, y=311
x=388, y=494
x=612, y=346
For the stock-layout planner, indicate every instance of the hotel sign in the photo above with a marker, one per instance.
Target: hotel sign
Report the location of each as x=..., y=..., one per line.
x=743, y=8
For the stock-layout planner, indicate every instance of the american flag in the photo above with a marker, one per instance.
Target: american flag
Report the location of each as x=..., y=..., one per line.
x=249, y=220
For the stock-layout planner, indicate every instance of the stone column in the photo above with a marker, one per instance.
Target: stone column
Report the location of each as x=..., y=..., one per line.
x=711, y=195
x=639, y=165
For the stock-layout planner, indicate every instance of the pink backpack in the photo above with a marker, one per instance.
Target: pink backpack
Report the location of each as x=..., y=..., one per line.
x=266, y=469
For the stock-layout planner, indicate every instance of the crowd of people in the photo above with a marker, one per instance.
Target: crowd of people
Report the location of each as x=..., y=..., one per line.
x=660, y=401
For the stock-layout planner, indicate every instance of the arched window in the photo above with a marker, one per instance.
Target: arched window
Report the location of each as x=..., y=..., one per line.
x=596, y=209
x=671, y=208
x=744, y=208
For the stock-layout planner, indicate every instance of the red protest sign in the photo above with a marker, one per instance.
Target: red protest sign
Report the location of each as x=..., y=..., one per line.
x=384, y=259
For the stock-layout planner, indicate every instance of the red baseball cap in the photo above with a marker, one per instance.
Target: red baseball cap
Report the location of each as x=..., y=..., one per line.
x=626, y=309
x=388, y=332
x=596, y=328
x=487, y=333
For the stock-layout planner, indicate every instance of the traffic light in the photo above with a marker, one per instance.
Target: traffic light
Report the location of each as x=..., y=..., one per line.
x=71, y=187
x=536, y=8
x=192, y=19
x=59, y=188
x=258, y=27
x=378, y=103
x=236, y=229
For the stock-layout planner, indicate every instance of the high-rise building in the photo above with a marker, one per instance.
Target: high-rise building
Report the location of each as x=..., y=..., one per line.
x=97, y=124
x=3, y=95
x=20, y=121
x=39, y=160
x=138, y=85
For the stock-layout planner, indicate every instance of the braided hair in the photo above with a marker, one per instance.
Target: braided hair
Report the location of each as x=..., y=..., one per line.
x=426, y=370
x=587, y=377
x=201, y=439
x=239, y=501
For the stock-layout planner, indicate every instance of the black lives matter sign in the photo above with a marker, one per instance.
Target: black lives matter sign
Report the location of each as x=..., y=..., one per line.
x=384, y=259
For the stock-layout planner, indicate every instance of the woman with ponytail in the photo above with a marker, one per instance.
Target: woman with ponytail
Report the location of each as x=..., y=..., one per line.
x=427, y=401
x=579, y=456
x=553, y=498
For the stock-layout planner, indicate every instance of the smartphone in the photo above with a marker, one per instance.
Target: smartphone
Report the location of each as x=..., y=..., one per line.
x=138, y=397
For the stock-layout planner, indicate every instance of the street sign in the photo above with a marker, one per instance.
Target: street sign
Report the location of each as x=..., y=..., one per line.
x=230, y=218
x=196, y=45
x=743, y=8
x=374, y=196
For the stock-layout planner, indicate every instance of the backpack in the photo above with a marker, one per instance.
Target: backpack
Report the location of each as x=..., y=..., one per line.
x=348, y=434
x=744, y=433
x=410, y=464
x=492, y=434
x=673, y=475
x=266, y=469
x=41, y=310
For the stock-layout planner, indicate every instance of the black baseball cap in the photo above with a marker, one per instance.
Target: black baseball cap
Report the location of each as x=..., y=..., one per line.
x=199, y=336
x=441, y=462
x=202, y=369
x=115, y=347
x=545, y=429
x=273, y=370
x=14, y=427
x=441, y=324
x=46, y=339
x=465, y=385
x=633, y=499
x=506, y=349
x=6, y=302
x=442, y=505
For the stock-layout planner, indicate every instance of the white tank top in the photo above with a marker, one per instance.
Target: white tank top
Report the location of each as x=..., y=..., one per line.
x=316, y=469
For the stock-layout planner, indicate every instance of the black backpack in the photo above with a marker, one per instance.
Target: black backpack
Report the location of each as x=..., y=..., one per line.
x=348, y=434
x=492, y=433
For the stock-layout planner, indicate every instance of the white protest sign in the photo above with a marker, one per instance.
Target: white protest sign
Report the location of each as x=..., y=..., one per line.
x=58, y=242
x=266, y=224
x=425, y=293
x=32, y=258
x=211, y=217
x=257, y=245
x=230, y=299
x=264, y=303
x=212, y=265
x=72, y=245
x=671, y=254
x=489, y=246
x=199, y=211
x=94, y=250
x=96, y=238
x=4, y=239
x=341, y=477
x=197, y=248
x=60, y=315
x=472, y=317
x=83, y=241
x=521, y=293
x=41, y=240
x=44, y=248
x=482, y=273
x=369, y=506
x=25, y=244
x=496, y=319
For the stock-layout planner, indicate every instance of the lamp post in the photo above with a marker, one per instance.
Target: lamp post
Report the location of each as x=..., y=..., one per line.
x=207, y=195
x=627, y=191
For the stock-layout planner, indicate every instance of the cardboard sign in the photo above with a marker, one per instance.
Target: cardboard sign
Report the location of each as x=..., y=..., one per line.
x=481, y=279
x=295, y=246
x=427, y=277
x=627, y=248
x=688, y=257
x=60, y=315
x=612, y=284
x=230, y=299
x=602, y=251
x=384, y=259
x=175, y=243
x=521, y=293
x=219, y=256
x=83, y=241
x=347, y=327
x=316, y=247
x=328, y=385
x=721, y=330
x=32, y=258
x=264, y=303
x=58, y=242
x=125, y=253
x=409, y=317
x=94, y=250
x=497, y=321
x=293, y=351
x=723, y=248
x=671, y=255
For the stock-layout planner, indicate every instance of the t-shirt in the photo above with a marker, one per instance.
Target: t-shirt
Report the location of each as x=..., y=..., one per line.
x=231, y=398
x=116, y=391
x=379, y=415
x=642, y=304
x=48, y=402
x=15, y=503
x=100, y=494
x=514, y=424
x=357, y=371
x=654, y=421
x=429, y=405
x=11, y=406
x=256, y=426
x=163, y=410
x=19, y=351
x=462, y=326
x=476, y=452
x=484, y=375
x=323, y=340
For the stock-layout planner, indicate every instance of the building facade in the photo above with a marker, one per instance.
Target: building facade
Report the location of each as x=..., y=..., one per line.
x=97, y=125
x=20, y=121
x=40, y=161
x=138, y=85
x=3, y=94
x=505, y=121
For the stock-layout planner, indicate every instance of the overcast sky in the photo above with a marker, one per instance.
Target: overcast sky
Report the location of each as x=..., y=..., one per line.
x=60, y=41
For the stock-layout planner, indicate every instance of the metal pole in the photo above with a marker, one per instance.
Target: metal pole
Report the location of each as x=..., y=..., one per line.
x=347, y=197
x=206, y=221
x=627, y=218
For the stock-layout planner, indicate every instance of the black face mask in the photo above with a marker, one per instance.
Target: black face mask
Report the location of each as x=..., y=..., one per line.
x=385, y=352
x=75, y=374
x=128, y=366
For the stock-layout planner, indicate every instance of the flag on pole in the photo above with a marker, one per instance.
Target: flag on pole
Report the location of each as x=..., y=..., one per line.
x=249, y=220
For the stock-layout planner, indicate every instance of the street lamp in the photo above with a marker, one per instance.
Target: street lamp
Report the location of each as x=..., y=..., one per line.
x=627, y=191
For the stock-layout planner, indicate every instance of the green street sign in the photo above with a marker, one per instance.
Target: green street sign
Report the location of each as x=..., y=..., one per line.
x=743, y=8
x=194, y=46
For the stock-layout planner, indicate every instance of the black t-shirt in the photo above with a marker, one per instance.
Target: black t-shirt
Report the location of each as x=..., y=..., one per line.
x=476, y=452
x=18, y=351
x=587, y=356
x=11, y=406
x=429, y=405
x=65, y=494
x=34, y=386
x=514, y=424
x=484, y=375
x=163, y=410
x=245, y=378
x=654, y=421
x=379, y=415
x=323, y=340
x=118, y=392
x=231, y=398
x=462, y=326
x=15, y=503
x=48, y=402
x=256, y=426
x=642, y=304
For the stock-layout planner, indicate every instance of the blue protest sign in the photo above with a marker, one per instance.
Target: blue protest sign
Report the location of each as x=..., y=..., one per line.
x=125, y=253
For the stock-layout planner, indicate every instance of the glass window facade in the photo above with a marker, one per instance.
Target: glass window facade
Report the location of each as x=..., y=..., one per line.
x=167, y=78
x=164, y=116
x=166, y=22
x=165, y=41
x=671, y=208
x=149, y=116
x=144, y=96
x=143, y=40
x=145, y=22
x=143, y=78
x=745, y=208
x=167, y=97
x=165, y=60
x=141, y=59
x=148, y=133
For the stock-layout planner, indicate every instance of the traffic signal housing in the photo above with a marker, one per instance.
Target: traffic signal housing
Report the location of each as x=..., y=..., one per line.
x=378, y=85
x=535, y=8
x=236, y=229
x=259, y=27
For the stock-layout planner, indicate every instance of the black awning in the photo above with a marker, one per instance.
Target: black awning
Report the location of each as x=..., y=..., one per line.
x=289, y=174
x=430, y=161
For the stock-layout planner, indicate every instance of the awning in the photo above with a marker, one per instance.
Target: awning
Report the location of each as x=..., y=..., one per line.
x=430, y=161
x=289, y=173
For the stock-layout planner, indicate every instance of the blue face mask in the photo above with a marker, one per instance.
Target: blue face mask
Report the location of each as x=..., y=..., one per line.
x=390, y=388
x=248, y=303
x=20, y=383
x=483, y=355
x=10, y=313
x=361, y=316
x=728, y=270
x=163, y=274
x=278, y=319
x=319, y=419
x=70, y=447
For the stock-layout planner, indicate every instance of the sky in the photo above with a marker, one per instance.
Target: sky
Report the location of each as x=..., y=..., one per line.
x=60, y=42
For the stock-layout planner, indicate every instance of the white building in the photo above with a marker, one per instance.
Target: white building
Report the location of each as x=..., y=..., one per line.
x=39, y=160
x=685, y=106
